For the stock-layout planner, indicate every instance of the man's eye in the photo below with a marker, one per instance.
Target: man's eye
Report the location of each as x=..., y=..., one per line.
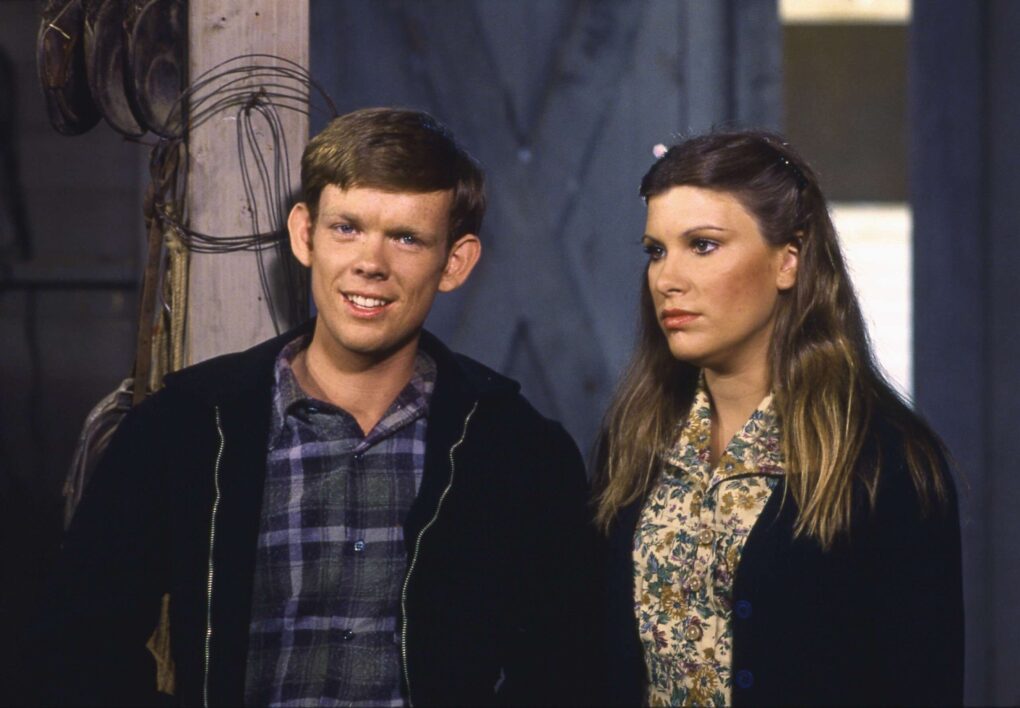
x=408, y=240
x=702, y=246
x=653, y=252
x=343, y=228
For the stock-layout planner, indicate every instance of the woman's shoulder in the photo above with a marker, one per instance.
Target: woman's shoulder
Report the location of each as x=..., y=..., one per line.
x=914, y=486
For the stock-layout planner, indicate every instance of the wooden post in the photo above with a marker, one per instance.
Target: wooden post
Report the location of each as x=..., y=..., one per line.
x=226, y=308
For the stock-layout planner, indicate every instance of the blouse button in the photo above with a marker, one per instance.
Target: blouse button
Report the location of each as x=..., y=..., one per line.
x=694, y=584
x=705, y=537
x=692, y=632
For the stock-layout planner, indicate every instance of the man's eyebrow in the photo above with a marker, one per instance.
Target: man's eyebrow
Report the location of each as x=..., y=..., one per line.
x=403, y=231
x=338, y=215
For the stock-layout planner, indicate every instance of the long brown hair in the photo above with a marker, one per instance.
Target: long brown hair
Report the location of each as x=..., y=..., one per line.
x=828, y=391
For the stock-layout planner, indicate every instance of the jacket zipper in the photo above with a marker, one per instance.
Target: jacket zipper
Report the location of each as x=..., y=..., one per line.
x=414, y=556
x=212, y=542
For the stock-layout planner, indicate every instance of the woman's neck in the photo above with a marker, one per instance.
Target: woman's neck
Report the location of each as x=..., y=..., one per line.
x=734, y=396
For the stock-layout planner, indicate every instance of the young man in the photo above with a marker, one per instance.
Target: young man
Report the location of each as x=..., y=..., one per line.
x=349, y=513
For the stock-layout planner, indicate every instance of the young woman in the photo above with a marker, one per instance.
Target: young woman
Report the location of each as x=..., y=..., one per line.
x=782, y=527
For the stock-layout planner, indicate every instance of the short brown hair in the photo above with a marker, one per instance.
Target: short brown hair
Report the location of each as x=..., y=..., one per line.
x=395, y=150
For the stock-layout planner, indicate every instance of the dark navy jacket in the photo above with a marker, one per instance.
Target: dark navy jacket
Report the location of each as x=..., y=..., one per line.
x=877, y=619
x=499, y=535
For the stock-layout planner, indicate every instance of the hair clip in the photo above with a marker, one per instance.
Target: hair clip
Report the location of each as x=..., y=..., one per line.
x=659, y=150
x=797, y=174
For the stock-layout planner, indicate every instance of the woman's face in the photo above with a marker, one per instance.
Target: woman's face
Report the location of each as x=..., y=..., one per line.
x=714, y=280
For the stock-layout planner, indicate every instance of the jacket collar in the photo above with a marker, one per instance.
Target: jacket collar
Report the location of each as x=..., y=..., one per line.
x=241, y=383
x=230, y=375
x=236, y=374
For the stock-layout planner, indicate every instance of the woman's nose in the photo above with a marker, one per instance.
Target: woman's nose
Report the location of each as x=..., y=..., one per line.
x=668, y=275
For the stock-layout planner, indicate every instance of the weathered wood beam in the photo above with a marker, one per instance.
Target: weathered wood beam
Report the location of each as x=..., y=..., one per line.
x=227, y=310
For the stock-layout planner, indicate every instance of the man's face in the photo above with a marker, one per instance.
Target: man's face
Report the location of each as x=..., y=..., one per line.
x=377, y=260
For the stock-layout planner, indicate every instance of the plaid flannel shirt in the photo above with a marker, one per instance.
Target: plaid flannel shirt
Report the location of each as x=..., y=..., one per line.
x=331, y=557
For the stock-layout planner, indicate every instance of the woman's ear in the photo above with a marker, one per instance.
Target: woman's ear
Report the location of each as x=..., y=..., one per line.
x=786, y=277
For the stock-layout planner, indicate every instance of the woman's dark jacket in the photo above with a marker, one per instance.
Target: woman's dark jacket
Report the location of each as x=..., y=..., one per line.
x=878, y=619
x=504, y=554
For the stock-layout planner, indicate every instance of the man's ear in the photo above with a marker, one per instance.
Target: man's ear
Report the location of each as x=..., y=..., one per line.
x=786, y=278
x=460, y=261
x=300, y=226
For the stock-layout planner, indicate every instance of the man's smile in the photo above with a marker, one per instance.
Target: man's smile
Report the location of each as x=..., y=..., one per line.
x=367, y=302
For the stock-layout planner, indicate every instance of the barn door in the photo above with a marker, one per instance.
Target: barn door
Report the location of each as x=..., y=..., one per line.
x=561, y=101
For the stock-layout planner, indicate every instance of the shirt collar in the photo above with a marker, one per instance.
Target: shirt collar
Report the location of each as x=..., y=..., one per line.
x=410, y=404
x=754, y=450
x=288, y=391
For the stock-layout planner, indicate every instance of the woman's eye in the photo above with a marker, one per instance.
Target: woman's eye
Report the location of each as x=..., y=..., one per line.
x=653, y=252
x=702, y=246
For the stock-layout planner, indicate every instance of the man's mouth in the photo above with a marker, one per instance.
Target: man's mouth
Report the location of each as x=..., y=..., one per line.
x=365, y=302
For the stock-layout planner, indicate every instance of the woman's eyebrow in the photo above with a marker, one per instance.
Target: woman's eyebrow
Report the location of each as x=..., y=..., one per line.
x=687, y=232
x=703, y=227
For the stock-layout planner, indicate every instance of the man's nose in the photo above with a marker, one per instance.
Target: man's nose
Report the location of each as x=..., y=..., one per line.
x=371, y=259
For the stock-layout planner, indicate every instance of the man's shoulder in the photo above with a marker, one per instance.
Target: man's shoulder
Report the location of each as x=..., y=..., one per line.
x=499, y=397
x=463, y=372
x=234, y=372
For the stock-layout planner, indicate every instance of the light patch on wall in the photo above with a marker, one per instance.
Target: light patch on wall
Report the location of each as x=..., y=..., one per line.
x=814, y=11
x=876, y=241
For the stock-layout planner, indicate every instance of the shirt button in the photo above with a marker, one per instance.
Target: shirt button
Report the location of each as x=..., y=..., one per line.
x=692, y=632
x=358, y=456
x=744, y=679
x=705, y=537
x=742, y=609
x=695, y=584
x=359, y=545
x=348, y=635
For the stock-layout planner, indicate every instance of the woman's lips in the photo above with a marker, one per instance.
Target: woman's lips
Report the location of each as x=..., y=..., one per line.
x=677, y=319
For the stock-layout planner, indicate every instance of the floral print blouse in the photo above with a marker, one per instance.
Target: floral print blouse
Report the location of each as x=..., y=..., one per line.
x=687, y=547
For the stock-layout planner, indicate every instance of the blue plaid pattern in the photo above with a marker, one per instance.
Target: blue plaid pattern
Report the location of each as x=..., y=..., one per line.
x=331, y=557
